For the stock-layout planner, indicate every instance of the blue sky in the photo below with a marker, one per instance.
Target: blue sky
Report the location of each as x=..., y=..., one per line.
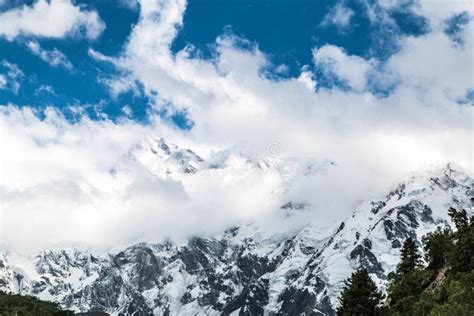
x=286, y=31
x=77, y=86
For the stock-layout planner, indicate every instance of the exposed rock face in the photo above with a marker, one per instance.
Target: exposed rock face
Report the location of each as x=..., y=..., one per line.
x=245, y=270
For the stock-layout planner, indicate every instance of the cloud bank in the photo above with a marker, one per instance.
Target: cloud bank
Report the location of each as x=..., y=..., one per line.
x=381, y=120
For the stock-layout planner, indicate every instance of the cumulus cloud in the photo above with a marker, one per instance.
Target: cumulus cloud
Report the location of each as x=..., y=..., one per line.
x=435, y=67
x=53, y=57
x=53, y=19
x=339, y=16
x=374, y=141
x=432, y=64
x=353, y=70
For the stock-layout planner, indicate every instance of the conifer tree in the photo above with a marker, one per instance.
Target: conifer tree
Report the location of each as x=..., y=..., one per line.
x=438, y=246
x=459, y=218
x=444, y=287
x=463, y=251
x=359, y=296
x=410, y=257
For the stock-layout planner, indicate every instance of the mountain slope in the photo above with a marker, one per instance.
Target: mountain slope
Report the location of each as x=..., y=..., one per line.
x=246, y=269
x=372, y=237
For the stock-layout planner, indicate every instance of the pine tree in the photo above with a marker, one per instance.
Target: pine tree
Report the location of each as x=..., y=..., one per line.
x=410, y=257
x=444, y=287
x=459, y=218
x=359, y=296
x=438, y=246
x=462, y=255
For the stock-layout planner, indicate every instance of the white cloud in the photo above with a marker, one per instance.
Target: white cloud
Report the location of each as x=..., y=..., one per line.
x=118, y=84
x=438, y=11
x=130, y=4
x=45, y=89
x=3, y=82
x=53, y=57
x=12, y=76
x=435, y=67
x=339, y=16
x=55, y=19
x=99, y=57
x=127, y=110
x=70, y=195
x=231, y=103
x=431, y=65
x=351, y=69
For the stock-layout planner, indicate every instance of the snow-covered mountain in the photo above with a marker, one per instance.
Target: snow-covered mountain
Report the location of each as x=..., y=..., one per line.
x=246, y=270
x=163, y=159
x=167, y=160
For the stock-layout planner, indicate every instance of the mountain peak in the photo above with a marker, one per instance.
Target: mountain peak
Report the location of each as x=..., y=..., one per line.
x=164, y=159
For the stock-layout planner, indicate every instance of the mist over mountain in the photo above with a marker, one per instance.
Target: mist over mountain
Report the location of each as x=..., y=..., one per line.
x=251, y=267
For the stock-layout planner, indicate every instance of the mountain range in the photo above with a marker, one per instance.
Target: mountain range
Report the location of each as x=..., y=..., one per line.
x=246, y=269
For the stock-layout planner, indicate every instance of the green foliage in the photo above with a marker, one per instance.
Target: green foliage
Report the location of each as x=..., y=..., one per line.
x=438, y=246
x=459, y=296
x=19, y=305
x=452, y=309
x=444, y=287
x=459, y=218
x=410, y=258
x=462, y=256
x=360, y=295
x=405, y=290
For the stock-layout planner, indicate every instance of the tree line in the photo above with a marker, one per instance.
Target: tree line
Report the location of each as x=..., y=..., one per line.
x=25, y=305
x=443, y=285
